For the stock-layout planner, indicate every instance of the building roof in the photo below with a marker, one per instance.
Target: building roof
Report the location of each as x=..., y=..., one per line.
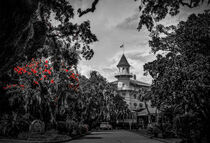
x=144, y=112
x=123, y=62
x=114, y=82
x=135, y=82
x=140, y=83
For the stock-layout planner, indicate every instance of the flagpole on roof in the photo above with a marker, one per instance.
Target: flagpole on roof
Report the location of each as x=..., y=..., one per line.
x=122, y=46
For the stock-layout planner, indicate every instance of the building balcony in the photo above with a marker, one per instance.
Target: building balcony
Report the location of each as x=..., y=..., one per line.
x=124, y=88
x=120, y=74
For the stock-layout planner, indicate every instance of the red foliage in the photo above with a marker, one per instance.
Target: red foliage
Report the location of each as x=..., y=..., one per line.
x=35, y=82
x=39, y=71
x=52, y=81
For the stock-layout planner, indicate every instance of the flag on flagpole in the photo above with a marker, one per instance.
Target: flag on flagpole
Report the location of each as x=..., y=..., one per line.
x=122, y=46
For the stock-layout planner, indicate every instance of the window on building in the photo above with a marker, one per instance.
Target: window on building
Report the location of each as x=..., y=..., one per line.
x=135, y=104
x=123, y=94
x=134, y=96
x=140, y=105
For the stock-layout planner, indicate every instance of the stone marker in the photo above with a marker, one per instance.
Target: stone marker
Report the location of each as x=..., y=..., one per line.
x=37, y=126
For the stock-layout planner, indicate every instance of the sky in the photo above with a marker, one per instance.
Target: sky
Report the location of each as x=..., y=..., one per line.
x=115, y=22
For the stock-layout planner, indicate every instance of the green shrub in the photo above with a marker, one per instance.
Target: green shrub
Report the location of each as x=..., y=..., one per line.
x=12, y=125
x=153, y=129
x=83, y=129
x=61, y=127
x=165, y=129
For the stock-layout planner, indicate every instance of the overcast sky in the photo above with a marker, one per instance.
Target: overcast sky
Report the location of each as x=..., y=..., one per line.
x=114, y=22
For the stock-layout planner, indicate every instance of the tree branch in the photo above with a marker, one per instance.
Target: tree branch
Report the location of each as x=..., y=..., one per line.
x=186, y=4
x=92, y=9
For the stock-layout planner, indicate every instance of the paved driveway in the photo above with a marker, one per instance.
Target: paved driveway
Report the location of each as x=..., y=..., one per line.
x=116, y=136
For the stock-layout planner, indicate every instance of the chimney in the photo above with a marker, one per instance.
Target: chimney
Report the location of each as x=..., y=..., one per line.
x=134, y=77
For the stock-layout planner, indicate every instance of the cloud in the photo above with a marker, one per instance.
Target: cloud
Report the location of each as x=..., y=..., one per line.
x=140, y=56
x=109, y=70
x=129, y=23
x=84, y=69
x=104, y=70
x=81, y=3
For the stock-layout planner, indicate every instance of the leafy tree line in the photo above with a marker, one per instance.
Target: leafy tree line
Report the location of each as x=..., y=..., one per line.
x=180, y=87
x=57, y=100
x=40, y=30
x=102, y=102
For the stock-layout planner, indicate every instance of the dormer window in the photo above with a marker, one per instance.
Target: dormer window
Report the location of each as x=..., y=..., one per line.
x=123, y=94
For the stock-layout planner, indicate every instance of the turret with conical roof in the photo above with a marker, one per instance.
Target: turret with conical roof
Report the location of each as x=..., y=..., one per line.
x=123, y=62
x=124, y=68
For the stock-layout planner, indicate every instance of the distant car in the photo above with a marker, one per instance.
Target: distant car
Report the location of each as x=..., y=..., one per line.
x=105, y=126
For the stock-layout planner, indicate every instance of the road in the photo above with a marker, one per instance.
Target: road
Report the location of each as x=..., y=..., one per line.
x=115, y=136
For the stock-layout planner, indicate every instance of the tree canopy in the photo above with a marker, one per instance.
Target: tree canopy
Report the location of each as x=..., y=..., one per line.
x=27, y=25
x=180, y=75
x=153, y=11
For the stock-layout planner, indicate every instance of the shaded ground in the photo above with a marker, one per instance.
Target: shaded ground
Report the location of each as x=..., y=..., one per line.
x=165, y=140
x=115, y=136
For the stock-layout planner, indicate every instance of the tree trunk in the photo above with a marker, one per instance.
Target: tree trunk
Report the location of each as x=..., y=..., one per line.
x=149, y=114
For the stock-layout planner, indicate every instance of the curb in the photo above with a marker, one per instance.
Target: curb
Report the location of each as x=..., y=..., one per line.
x=154, y=138
x=27, y=141
x=79, y=136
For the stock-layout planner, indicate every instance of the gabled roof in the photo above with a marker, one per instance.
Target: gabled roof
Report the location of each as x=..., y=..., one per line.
x=114, y=82
x=139, y=83
x=123, y=62
x=143, y=112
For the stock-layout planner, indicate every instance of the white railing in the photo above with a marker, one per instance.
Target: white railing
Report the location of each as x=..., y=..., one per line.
x=125, y=88
x=123, y=73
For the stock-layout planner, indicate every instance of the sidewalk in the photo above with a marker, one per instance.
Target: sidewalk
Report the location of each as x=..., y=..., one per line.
x=166, y=140
x=43, y=141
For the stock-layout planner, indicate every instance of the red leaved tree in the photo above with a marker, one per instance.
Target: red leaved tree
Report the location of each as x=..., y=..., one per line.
x=40, y=90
